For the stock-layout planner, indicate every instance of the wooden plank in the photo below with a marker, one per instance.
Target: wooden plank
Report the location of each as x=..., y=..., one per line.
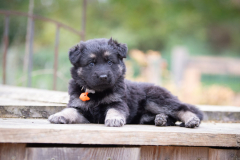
x=112, y=153
x=220, y=113
x=10, y=108
x=179, y=59
x=224, y=154
x=173, y=153
x=13, y=151
x=41, y=131
x=31, y=94
x=222, y=117
x=150, y=153
x=215, y=108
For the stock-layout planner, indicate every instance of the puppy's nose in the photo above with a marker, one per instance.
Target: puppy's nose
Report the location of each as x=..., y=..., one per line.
x=103, y=77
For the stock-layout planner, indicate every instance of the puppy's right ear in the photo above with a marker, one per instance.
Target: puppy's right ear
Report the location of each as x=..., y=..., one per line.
x=75, y=52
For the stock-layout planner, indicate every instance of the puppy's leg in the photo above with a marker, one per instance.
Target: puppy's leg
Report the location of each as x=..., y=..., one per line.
x=189, y=119
x=114, y=118
x=147, y=119
x=68, y=116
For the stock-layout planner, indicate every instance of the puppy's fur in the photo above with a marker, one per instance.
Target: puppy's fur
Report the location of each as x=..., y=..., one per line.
x=98, y=65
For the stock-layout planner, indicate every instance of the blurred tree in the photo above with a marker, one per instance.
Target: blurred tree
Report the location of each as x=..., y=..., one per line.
x=203, y=26
x=145, y=24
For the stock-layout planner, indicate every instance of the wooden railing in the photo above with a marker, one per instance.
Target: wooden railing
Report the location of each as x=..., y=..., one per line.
x=184, y=67
x=33, y=18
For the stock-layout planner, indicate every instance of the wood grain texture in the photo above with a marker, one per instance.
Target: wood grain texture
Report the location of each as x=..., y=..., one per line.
x=64, y=153
x=13, y=151
x=224, y=154
x=220, y=113
x=41, y=131
x=31, y=94
x=173, y=153
x=11, y=108
x=149, y=153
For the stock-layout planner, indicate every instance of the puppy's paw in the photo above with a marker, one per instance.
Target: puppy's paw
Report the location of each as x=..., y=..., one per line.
x=114, y=118
x=161, y=120
x=115, y=122
x=67, y=116
x=58, y=118
x=193, y=122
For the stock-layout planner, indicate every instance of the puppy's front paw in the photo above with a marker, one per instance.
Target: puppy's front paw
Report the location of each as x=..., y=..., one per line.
x=115, y=122
x=161, y=120
x=58, y=118
x=114, y=118
x=193, y=122
x=66, y=116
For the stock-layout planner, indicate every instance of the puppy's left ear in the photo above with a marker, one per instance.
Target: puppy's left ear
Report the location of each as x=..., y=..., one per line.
x=120, y=48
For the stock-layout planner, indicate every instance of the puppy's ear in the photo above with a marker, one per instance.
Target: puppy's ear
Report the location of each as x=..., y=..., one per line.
x=120, y=48
x=75, y=52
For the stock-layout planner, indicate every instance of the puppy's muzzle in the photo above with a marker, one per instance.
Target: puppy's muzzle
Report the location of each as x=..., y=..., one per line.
x=103, y=76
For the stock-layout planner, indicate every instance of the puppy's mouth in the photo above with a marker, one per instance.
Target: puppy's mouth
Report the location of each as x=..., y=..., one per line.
x=99, y=87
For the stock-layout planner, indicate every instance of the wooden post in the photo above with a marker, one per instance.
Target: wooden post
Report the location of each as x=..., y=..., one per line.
x=179, y=59
x=154, y=67
x=56, y=58
x=30, y=19
x=5, y=39
x=84, y=10
x=30, y=60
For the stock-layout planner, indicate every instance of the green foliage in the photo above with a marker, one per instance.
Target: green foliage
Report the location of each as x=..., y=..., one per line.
x=223, y=80
x=141, y=24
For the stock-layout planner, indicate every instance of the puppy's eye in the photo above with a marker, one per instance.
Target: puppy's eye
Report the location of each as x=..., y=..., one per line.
x=110, y=63
x=91, y=64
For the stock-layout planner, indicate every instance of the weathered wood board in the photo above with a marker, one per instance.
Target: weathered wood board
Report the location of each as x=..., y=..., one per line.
x=220, y=113
x=174, y=153
x=32, y=94
x=95, y=153
x=15, y=151
x=41, y=131
x=224, y=154
x=11, y=108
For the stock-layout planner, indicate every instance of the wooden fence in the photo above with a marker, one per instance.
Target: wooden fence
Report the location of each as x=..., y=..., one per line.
x=187, y=69
x=33, y=18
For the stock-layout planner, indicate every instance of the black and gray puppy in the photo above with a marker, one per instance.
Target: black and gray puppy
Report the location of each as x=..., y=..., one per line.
x=98, y=67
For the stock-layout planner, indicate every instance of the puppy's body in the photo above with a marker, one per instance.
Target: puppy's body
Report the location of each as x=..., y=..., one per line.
x=98, y=65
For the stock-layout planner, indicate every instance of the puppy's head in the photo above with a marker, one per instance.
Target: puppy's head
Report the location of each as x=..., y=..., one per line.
x=98, y=63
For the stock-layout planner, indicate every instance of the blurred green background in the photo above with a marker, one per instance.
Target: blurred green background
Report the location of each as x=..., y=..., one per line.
x=204, y=27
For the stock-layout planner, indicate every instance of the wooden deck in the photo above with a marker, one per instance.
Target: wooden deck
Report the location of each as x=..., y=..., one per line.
x=38, y=139
x=26, y=138
x=41, y=131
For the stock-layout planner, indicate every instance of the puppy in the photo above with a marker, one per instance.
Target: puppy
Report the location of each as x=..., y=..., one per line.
x=99, y=70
